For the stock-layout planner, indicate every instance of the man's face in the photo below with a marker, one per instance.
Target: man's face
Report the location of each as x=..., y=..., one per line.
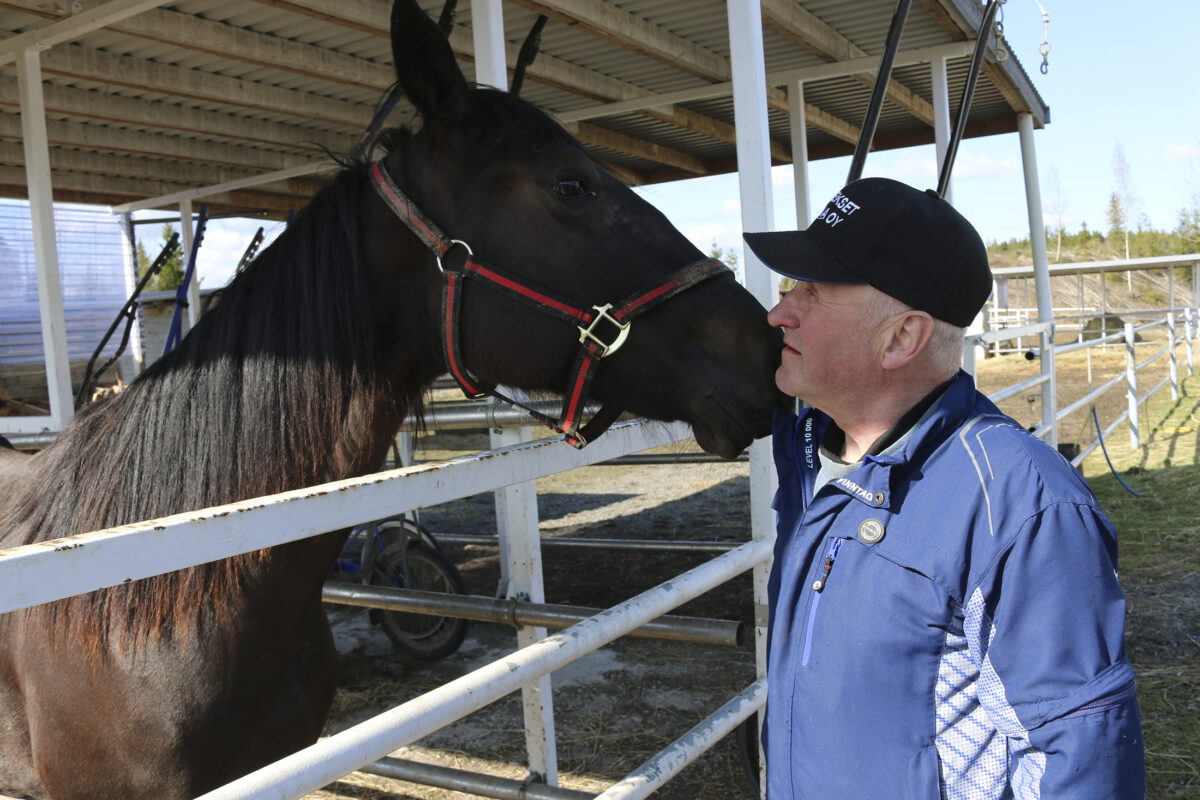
x=826, y=346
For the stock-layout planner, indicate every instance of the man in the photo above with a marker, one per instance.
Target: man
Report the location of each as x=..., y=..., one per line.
x=945, y=616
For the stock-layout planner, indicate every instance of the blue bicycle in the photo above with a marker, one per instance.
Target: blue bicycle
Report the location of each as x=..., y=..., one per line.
x=398, y=552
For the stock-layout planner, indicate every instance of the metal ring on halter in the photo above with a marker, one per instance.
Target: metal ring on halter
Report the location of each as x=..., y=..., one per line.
x=453, y=242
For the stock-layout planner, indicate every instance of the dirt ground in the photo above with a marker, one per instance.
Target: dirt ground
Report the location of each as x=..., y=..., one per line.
x=625, y=702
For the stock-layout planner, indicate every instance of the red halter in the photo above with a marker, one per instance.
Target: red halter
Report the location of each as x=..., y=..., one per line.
x=588, y=321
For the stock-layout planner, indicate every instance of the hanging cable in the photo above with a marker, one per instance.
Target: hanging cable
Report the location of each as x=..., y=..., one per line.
x=1100, y=438
x=867, y=134
x=960, y=124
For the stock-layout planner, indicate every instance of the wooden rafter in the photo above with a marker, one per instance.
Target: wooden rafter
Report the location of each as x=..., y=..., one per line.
x=800, y=25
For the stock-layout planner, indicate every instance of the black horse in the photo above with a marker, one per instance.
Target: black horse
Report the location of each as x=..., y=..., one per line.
x=169, y=686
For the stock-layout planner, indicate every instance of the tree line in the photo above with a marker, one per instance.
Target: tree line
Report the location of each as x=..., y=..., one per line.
x=1121, y=238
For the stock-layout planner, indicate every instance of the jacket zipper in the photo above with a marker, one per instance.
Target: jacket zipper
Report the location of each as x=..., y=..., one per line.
x=1109, y=701
x=819, y=586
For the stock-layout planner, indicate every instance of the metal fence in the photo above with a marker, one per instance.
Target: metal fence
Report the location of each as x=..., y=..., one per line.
x=53, y=570
x=1167, y=322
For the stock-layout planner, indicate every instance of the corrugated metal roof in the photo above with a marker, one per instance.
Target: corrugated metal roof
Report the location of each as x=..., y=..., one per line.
x=200, y=92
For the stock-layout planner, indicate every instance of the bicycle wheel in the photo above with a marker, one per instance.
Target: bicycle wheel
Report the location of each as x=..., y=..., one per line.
x=407, y=564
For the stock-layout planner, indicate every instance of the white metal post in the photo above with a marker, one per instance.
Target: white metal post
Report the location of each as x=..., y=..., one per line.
x=799, y=153
x=521, y=560
x=941, y=117
x=487, y=27
x=45, y=248
x=754, y=184
x=188, y=235
x=1172, y=343
x=1189, y=333
x=1041, y=270
x=516, y=506
x=1131, y=386
x=129, y=252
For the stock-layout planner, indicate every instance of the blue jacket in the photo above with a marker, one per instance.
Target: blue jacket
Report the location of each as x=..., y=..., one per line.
x=968, y=638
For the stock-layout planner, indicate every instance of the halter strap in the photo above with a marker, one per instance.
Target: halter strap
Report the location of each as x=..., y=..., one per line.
x=603, y=329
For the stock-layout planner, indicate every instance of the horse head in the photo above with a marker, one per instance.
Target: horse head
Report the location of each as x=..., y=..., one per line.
x=494, y=172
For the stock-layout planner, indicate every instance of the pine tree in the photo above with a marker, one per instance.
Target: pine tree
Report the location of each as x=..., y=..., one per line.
x=171, y=275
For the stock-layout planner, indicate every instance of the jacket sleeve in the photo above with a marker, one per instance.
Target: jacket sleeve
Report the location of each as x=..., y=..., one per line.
x=1047, y=627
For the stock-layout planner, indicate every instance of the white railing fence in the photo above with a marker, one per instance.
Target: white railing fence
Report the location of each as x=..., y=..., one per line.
x=52, y=570
x=1166, y=322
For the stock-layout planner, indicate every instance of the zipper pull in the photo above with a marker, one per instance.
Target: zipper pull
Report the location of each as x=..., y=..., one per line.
x=830, y=555
x=819, y=583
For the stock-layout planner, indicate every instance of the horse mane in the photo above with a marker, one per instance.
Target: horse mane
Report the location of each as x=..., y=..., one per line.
x=277, y=387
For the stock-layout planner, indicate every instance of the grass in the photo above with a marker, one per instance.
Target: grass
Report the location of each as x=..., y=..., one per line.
x=1159, y=540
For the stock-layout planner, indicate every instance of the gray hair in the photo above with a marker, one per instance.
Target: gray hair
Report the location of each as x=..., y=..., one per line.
x=945, y=348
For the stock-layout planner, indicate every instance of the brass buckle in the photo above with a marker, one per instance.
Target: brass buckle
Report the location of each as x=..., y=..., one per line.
x=589, y=331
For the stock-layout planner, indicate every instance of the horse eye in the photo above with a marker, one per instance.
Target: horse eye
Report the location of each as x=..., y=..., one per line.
x=572, y=187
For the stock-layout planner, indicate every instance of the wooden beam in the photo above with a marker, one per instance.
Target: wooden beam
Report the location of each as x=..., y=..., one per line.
x=613, y=24
x=227, y=41
x=186, y=173
x=74, y=26
x=125, y=110
x=612, y=140
x=800, y=25
x=90, y=188
x=113, y=139
x=961, y=20
x=373, y=16
x=712, y=128
x=85, y=63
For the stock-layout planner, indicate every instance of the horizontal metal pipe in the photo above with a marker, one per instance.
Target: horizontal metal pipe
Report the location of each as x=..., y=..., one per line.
x=672, y=458
x=460, y=780
x=487, y=540
x=58, y=568
x=471, y=414
x=317, y=765
x=718, y=632
x=662, y=767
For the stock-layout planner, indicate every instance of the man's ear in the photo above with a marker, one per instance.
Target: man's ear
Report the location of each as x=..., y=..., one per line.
x=904, y=338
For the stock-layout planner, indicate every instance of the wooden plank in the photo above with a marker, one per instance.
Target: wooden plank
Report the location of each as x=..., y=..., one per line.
x=613, y=24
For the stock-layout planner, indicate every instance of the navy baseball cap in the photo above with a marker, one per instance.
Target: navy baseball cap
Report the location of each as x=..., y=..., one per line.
x=909, y=244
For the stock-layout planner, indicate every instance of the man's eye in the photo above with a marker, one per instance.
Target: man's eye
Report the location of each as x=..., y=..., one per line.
x=571, y=188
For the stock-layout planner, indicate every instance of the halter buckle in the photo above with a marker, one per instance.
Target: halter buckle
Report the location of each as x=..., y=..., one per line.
x=589, y=331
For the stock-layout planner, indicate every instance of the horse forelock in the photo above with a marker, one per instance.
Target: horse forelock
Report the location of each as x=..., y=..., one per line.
x=278, y=387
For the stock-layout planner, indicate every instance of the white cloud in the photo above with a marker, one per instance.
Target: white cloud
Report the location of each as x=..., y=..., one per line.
x=733, y=205
x=971, y=165
x=1182, y=152
x=704, y=235
x=225, y=240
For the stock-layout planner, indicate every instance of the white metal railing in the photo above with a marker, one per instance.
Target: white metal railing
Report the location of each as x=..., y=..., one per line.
x=329, y=759
x=1166, y=321
x=52, y=570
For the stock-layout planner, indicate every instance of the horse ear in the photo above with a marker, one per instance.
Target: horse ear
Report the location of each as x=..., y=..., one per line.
x=425, y=65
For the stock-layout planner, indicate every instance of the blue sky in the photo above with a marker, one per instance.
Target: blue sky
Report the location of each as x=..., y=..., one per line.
x=1119, y=75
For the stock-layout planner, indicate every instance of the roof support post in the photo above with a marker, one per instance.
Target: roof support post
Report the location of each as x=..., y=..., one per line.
x=1041, y=270
x=516, y=505
x=941, y=116
x=521, y=565
x=193, y=290
x=487, y=28
x=754, y=184
x=45, y=248
x=799, y=153
x=129, y=252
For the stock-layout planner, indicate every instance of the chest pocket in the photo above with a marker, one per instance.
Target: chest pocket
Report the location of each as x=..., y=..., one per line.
x=878, y=614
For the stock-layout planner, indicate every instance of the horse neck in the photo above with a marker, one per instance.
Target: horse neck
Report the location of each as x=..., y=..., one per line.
x=282, y=385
